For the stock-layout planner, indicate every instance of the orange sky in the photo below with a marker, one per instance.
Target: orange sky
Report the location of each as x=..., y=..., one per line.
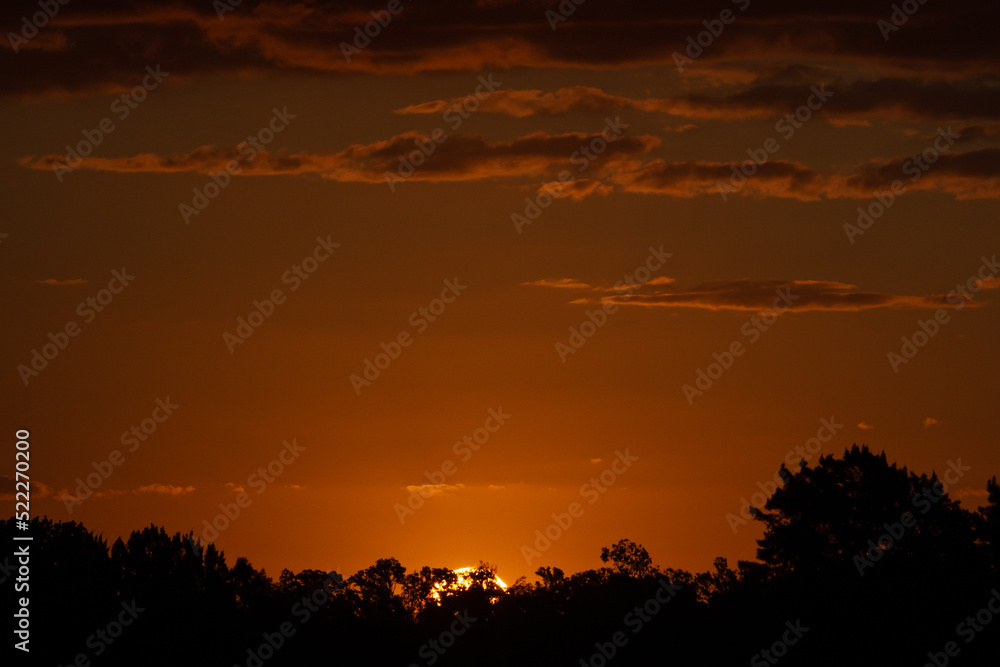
x=672, y=266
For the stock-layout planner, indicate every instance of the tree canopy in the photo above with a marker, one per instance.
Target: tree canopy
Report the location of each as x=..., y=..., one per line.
x=860, y=562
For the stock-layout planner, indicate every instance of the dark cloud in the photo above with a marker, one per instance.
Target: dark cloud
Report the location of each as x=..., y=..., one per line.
x=776, y=178
x=788, y=295
x=970, y=175
x=103, y=46
x=9, y=488
x=882, y=99
x=454, y=158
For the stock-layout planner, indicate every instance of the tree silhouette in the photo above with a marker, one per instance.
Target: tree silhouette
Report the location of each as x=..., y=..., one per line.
x=420, y=587
x=629, y=558
x=920, y=578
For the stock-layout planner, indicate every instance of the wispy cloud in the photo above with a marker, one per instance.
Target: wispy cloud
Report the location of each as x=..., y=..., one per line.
x=8, y=488
x=791, y=295
x=61, y=283
x=74, y=54
x=574, y=284
x=540, y=155
x=752, y=295
x=165, y=489
x=460, y=158
x=850, y=102
x=434, y=489
x=559, y=283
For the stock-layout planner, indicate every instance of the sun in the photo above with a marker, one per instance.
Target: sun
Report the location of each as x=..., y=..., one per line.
x=464, y=582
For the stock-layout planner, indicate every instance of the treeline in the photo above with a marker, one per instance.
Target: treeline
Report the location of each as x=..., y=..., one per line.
x=861, y=563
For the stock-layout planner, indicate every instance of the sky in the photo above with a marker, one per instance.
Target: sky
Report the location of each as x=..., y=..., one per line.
x=499, y=281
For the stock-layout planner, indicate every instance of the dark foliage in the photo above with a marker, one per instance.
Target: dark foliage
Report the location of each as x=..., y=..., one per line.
x=880, y=565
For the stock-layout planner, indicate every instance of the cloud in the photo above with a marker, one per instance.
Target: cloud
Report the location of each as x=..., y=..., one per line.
x=524, y=103
x=574, y=284
x=972, y=133
x=754, y=295
x=235, y=488
x=930, y=421
x=865, y=426
x=850, y=102
x=976, y=493
x=790, y=295
x=560, y=283
x=427, y=490
x=9, y=488
x=916, y=98
x=460, y=158
x=165, y=489
x=661, y=280
x=93, y=47
x=993, y=282
x=970, y=175
x=61, y=283
x=576, y=189
x=847, y=102
x=685, y=179
x=596, y=460
x=64, y=495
